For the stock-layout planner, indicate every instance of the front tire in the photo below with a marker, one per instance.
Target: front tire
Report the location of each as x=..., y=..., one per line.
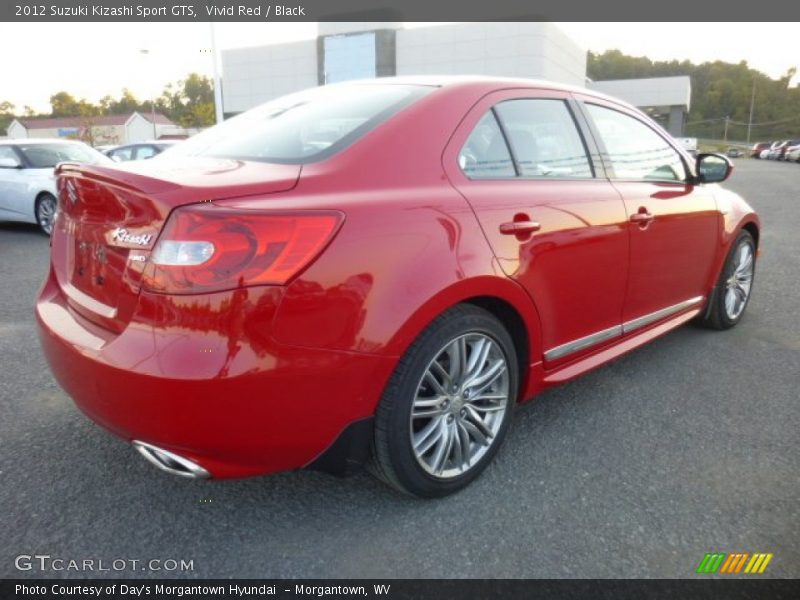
x=448, y=405
x=735, y=284
x=45, y=211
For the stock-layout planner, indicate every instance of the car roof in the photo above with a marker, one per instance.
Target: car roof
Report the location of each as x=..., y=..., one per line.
x=488, y=82
x=14, y=141
x=139, y=143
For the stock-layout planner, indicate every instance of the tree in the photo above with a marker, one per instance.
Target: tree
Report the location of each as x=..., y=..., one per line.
x=719, y=90
x=198, y=89
x=63, y=105
x=190, y=102
x=6, y=115
x=126, y=104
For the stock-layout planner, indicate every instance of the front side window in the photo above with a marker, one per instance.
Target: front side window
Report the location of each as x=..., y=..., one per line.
x=544, y=138
x=304, y=127
x=143, y=152
x=122, y=153
x=8, y=152
x=635, y=150
x=485, y=155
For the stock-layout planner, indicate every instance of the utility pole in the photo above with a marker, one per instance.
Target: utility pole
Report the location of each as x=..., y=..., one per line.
x=217, y=84
x=725, y=135
x=145, y=52
x=752, y=104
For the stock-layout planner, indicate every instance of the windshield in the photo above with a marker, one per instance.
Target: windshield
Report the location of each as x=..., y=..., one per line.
x=304, y=127
x=44, y=156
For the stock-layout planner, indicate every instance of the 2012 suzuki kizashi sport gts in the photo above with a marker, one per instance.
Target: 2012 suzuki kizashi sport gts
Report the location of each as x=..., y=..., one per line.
x=378, y=272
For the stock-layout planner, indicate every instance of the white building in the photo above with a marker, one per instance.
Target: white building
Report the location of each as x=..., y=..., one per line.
x=345, y=51
x=665, y=99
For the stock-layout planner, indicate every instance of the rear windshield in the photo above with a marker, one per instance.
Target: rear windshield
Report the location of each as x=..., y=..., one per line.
x=304, y=127
x=44, y=156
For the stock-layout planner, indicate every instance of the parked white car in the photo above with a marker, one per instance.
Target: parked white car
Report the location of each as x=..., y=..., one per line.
x=792, y=153
x=27, y=183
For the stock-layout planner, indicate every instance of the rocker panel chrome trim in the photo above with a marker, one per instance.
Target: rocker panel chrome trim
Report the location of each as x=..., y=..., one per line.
x=645, y=320
x=619, y=330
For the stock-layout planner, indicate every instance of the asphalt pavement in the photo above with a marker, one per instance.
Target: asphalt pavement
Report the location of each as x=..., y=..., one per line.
x=686, y=446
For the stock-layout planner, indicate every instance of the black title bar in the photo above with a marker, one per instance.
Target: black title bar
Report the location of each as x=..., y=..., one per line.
x=398, y=10
x=402, y=589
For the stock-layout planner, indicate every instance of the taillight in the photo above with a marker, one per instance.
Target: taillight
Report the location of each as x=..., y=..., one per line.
x=205, y=248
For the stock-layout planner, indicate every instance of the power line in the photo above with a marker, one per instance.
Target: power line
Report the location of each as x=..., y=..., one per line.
x=732, y=122
x=789, y=120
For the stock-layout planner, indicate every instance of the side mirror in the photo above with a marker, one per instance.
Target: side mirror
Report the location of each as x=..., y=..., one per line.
x=116, y=158
x=713, y=168
x=10, y=163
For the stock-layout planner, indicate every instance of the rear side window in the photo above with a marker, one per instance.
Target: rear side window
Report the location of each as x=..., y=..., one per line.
x=544, y=138
x=486, y=155
x=303, y=127
x=635, y=150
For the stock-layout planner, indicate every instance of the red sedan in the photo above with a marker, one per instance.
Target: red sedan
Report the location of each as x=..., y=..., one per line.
x=379, y=272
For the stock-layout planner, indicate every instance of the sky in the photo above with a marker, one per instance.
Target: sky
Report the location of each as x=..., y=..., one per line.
x=91, y=60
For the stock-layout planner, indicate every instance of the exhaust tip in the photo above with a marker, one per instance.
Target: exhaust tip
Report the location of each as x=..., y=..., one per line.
x=170, y=462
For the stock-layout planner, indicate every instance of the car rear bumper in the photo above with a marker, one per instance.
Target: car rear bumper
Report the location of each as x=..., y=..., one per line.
x=201, y=377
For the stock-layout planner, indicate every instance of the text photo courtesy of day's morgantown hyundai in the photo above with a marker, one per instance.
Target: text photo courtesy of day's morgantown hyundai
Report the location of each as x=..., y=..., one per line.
x=290, y=299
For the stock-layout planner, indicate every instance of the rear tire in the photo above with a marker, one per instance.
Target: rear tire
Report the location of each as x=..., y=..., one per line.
x=735, y=284
x=45, y=211
x=447, y=407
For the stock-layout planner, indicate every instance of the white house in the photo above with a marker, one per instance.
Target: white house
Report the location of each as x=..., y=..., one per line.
x=106, y=129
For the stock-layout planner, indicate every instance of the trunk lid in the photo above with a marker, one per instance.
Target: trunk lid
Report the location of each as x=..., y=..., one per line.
x=110, y=218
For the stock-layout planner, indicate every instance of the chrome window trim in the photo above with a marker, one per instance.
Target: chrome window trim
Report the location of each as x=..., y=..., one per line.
x=619, y=330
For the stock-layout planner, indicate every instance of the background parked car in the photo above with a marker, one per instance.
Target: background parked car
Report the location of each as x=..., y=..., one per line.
x=139, y=150
x=775, y=149
x=784, y=147
x=758, y=148
x=734, y=152
x=27, y=183
x=793, y=152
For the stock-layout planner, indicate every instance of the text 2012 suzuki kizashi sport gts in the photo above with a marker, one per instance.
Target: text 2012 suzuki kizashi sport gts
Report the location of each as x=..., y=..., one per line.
x=378, y=272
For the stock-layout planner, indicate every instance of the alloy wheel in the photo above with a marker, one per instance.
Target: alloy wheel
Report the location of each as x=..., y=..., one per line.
x=46, y=213
x=738, y=285
x=460, y=405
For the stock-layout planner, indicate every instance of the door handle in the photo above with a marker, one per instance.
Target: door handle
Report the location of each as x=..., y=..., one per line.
x=519, y=227
x=643, y=217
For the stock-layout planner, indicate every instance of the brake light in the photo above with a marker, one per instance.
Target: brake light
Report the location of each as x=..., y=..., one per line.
x=205, y=248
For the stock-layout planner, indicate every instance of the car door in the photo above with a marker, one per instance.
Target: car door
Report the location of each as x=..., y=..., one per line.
x=13, y=186
x=673, y=224
x=555, y=223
